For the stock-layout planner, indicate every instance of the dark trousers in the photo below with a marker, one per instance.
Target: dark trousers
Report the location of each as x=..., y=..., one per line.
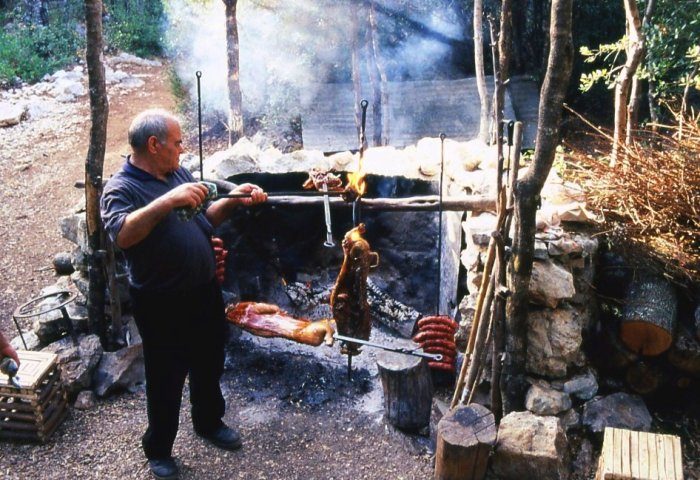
x=183, y=333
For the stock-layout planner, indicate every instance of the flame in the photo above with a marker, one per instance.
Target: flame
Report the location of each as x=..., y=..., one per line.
x=356, y=182
x=356, y=233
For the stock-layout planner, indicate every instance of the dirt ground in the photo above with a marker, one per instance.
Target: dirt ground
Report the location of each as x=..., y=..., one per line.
x=299, y=415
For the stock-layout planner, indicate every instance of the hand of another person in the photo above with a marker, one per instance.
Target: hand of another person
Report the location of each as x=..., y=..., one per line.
x=189, y=195
x=8, y=351
x=257, y=195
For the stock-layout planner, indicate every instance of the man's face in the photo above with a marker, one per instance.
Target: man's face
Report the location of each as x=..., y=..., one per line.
x=168, y=152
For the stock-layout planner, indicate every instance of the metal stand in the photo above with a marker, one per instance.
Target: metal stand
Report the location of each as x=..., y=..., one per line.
x=33, y=309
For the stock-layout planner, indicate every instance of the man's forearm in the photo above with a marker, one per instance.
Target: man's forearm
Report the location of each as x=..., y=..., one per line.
x=140, y=223
x=220, y=210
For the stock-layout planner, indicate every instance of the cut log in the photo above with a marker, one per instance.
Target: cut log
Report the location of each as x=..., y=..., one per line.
x=685, y=353
x=649, y=316
x=644, y=377
x=408, y=390
x=465, y=438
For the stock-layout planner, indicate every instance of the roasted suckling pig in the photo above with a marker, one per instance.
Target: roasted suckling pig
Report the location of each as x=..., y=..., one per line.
x=319, y=177
x=266, y=320
x=349, y=296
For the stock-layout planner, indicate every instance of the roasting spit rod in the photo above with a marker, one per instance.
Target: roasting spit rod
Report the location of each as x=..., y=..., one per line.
x=403, y=350
x=327, y=213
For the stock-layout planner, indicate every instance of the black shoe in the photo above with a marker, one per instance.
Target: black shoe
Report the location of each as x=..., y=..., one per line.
x=224, y=437
x=164, y=468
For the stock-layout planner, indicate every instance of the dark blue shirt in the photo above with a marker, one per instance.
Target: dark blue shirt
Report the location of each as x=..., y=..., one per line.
x=176, y=255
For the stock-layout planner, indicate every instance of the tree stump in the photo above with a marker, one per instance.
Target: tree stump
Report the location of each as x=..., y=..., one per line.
x=465, y=438
x=649, y=316
x=408, y=390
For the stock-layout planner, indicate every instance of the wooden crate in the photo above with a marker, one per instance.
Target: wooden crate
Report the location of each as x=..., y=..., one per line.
x=634, y=455
x=33, y=411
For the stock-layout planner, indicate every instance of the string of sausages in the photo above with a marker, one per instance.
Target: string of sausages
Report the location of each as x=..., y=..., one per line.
x=435, y=334
x=220, y=254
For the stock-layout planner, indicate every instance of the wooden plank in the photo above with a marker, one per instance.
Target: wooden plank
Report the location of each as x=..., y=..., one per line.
x=677, y=457
x=643, y=455
x=669, y=464
x=617, y=448
x=634, y=454
x=661, y=467
x=608, y=454
x=625, y=453
x=653, y=465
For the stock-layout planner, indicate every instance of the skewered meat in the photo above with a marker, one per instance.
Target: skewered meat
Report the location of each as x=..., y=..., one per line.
x=349, y=296
x=436, y=335
x=266, y=320
x=319, y=177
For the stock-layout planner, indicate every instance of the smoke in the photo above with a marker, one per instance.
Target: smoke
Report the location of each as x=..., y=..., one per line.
x=286, y=48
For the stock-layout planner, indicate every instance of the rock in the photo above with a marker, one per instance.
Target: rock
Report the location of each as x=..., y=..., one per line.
x=131, y=82
x=554, y=341
x=338, y=161
x=12, y=113
x=467, y=308
x=78, y=314
x=570, y=419
x=128, y=58
x=240, y=158
x=269, y=158
x=541, y=399
x=619, y=410
x=30, y=338
x=86, y=400
x=48, y=326
x=584, y=462
x=77, y=363
x=550, y=284
x=122, y=369
x=478, y=229
x=74, y=229
x=541, y=250
x=300, y=161
x=583, y=387
x=81, y=282
x=63, y=263
x=530, y=446
x=79, y=260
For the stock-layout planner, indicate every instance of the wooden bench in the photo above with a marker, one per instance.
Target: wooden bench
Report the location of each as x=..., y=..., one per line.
x=634, y=455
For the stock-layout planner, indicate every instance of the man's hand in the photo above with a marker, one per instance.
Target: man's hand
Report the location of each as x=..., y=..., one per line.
x=189, y=195
x=257, y=194
x=220, y=210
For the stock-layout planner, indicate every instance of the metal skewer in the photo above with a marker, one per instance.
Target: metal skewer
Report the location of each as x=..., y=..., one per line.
x=437, y=357
x=327, y=212
x=199, y=123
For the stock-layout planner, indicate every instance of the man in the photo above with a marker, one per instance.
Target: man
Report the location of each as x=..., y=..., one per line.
x=177, y=303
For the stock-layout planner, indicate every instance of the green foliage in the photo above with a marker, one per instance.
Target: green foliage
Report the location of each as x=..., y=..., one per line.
x=31, y=51
x=135, y=30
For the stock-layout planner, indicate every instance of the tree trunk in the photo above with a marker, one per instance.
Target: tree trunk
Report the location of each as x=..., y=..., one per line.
x=381, y=97
x=99, y=111
x=484, y=98
x=355, y=64
x=235, y=99
x=527, y=197
x=653, y=107
x=622, y=84
x=505, y=42
x=636, y=92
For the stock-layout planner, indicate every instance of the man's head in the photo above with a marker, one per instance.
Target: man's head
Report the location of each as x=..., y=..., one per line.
x=155, y=137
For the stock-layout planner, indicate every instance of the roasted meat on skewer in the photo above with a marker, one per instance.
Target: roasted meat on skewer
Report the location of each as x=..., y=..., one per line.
x=349, y=296
x=319, y=177
x=266, y=320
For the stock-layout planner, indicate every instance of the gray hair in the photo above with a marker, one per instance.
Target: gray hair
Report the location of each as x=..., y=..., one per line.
x=150, y=123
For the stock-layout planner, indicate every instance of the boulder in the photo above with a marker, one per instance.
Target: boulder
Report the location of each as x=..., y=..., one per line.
x=530, y=446
x=12, y=113
x=550, y=283
x=122, y=369
x=478, y=229
x=554, y=341
x=583, y=387
x=619, y=410
x=86, y=400
x=542, y=399
x=77, y=362
x=74, y=229
x=30, y=338
x=240, y=158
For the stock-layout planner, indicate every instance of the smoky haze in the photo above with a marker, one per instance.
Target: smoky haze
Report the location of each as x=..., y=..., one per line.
x=289, y=46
